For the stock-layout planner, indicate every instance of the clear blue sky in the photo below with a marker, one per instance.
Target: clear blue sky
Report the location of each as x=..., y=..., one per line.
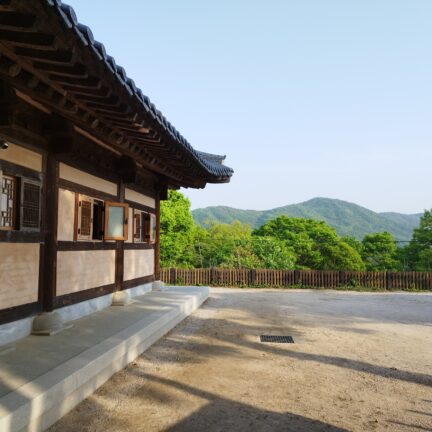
x=307, y=98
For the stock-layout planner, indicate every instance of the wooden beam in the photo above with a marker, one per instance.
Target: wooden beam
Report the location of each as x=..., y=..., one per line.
x=127, y=169
x=119, y=257
x=157, y=244
x=48, y=291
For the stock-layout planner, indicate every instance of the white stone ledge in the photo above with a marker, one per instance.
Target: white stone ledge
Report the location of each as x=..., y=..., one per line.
x=39, y=403
x=16, y=330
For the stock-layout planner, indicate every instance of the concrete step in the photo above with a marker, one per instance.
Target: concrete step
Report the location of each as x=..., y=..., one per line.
x=44, y=377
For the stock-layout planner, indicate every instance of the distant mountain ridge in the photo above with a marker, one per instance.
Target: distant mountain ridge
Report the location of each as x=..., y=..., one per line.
x=348, y=219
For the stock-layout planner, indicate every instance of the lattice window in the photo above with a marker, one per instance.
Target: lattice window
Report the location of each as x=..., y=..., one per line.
x=30, y=205
x=85, y=215
x=8, y=204
x=99, y=220
x=86, y=208
x=146, y=227
x=137, y=226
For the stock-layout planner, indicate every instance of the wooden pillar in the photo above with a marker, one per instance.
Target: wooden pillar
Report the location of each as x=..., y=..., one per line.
x=48, y=291
x=157, y=244
x=119, y=258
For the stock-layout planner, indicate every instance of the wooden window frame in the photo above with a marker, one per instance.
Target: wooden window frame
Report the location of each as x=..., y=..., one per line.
x=15, y=222
x=153, y=229
x=23, y=182
x=148, y=220
x=125, y=207
x=78, y=235
x=140, y=238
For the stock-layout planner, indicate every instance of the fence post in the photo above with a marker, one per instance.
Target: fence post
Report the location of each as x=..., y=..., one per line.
x=296, y=277
x=173, y=276
x=213, y=276
x=342, y=278
x=388, y=283
x=252, y=277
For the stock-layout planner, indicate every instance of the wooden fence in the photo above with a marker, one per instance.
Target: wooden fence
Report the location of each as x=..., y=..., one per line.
x=380, y=280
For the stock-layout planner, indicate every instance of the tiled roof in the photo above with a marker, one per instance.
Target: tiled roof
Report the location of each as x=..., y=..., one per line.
x=45, y=39
x=212, y=163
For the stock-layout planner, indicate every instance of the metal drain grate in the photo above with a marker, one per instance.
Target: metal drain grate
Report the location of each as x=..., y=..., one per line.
x=276, y=339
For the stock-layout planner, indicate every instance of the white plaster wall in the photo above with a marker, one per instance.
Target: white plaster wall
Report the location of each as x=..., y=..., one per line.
x=139, y=198
x=66, y=215
x=67, y=172
x=138, y=263
x=19, y=274
x=22, y=156
x=81, y=270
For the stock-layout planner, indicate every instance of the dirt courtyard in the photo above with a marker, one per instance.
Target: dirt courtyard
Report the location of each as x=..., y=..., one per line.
x=360, y=362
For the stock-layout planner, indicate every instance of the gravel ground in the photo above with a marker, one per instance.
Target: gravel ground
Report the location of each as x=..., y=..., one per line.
x=361, y=362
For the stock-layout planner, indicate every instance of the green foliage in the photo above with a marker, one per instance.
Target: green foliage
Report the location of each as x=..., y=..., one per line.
x=273, y=253
x=315, y=244
x=380, y=252
x=418, y=254
x=346, y=218
x=224, y=245
x=354, y=243
x=177, y=231
x=285, y=243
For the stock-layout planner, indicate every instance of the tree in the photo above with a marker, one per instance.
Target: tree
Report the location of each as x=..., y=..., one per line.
x=314, y=243
x=273, y=253
x=354, y=243
x=224, y=245
x=419, y=251
x=380, y=251
x=177, y=231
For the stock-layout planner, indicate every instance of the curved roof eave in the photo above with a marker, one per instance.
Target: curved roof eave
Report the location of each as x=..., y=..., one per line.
x=212, y=164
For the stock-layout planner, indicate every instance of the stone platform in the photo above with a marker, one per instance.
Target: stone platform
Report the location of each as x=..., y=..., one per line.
x=44, y=377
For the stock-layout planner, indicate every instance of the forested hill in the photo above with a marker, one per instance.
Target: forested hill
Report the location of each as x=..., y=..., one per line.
x=346, y=218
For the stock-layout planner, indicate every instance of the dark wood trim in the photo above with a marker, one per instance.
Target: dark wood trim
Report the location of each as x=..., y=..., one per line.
x=75, y=231
x=42, y=234
x=84, y=245
x=12, y=236
x=137, y=282
x=23, y=137
x=15, y=170
x=80, y=296
x=19, y=312
x=84, y=190
x=157, y=244
x=41, y=273
x=139, y=246
x=142, y=207
x=119, y=257
x=51, y=216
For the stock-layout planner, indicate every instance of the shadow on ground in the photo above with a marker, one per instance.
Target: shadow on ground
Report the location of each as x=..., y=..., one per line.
x=217, y=415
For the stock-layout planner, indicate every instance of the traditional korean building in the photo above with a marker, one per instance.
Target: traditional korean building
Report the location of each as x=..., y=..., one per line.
x=85, y=159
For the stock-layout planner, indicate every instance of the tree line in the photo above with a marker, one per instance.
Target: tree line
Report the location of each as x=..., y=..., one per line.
x=285, y=243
